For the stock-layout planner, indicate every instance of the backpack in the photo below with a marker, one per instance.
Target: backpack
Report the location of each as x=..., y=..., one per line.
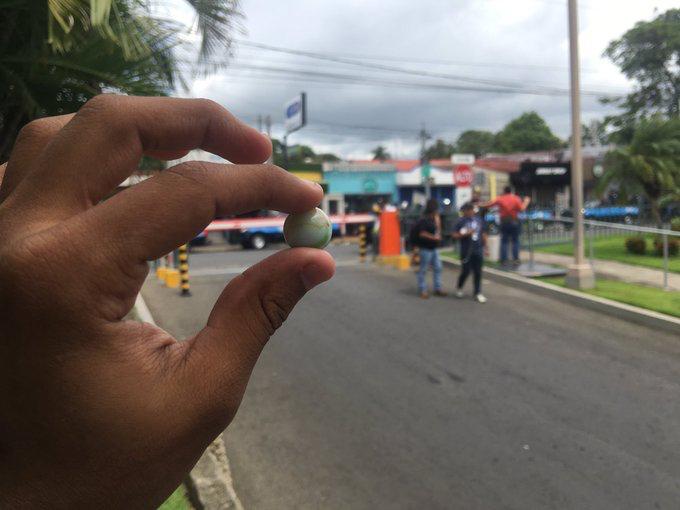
x=414, y=234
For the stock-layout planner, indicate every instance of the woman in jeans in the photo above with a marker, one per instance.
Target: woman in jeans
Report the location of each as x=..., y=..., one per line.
x=429, y=235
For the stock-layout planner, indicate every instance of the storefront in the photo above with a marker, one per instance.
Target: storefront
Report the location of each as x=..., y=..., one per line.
x=412, y=188
x=546, y=183
x=356, y=187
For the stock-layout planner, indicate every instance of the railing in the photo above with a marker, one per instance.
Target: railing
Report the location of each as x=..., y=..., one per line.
x=552, y=231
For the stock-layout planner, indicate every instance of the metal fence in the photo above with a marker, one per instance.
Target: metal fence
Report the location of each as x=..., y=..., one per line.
x=554, y=231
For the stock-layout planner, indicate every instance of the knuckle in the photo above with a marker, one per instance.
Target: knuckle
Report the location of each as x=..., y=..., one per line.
x=209, y=106
x=274, y=312
x=100, y=103
x=34, y=130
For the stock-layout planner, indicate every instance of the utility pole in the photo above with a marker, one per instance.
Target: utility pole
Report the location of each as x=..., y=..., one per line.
x=579, y=274
x=424, y=163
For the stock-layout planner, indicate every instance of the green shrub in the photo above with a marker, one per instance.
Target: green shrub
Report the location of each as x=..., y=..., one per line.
x=675, y=224
x=673, y=246
x=636, y=245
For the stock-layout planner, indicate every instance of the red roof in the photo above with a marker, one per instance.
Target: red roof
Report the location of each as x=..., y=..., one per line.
x=509, y=163
x=406, y=165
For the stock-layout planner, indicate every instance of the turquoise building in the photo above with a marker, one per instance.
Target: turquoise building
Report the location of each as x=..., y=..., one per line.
x=357, y=186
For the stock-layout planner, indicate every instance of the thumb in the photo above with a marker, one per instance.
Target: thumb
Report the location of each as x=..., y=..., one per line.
x=251, y=308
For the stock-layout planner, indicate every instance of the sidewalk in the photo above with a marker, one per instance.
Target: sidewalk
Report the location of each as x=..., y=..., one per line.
x=614, y=270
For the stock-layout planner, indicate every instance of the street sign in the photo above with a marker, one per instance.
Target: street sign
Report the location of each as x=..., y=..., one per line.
x=425, y=171
x=463, y=176
x=463, y=159
x=296, y=113
x=463, y=195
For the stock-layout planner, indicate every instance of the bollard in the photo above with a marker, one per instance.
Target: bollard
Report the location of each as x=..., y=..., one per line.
x=184, y=270
x=362, y=243
x=162, y=269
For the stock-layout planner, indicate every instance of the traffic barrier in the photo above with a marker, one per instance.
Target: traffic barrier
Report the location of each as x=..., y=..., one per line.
x=362, y=243
x=172, y=278
x=390, y=242
x=184, y=270
x=390, y=235
x=162, y=269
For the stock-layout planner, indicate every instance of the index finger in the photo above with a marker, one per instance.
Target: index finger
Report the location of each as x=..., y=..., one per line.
x=161, y=213
x=104, y=142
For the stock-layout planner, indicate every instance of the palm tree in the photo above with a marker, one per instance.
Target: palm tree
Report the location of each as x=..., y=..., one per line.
x=650, y=165
x=56, y=54
x=380, y=153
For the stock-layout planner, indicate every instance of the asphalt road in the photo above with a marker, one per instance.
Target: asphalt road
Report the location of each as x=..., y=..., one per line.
x=369, y=397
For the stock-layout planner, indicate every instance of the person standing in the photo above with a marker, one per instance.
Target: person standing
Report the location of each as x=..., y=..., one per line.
x=427, y=236
x=470, y=233
x=509, y=206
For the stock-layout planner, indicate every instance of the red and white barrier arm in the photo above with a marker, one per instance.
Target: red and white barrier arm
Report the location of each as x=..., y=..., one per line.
x=277, y=221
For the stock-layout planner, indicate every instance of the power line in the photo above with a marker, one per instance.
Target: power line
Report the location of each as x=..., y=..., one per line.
x=401, y=70
x=445, y=62
x=296, y=73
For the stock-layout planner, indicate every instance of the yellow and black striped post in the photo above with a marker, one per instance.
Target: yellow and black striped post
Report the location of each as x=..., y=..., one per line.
x=184, y=270
x=362, y=243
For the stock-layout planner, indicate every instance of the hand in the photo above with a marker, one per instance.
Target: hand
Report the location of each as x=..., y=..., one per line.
x=101, y=412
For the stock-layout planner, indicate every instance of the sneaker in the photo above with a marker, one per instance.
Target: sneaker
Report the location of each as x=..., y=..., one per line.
x=424, y=295
x=480, y=298
x=459, y=294
x=440, y=293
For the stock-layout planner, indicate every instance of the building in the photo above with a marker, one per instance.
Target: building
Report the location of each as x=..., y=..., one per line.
x=544, y=176
x=356, y=186
x=410, y=180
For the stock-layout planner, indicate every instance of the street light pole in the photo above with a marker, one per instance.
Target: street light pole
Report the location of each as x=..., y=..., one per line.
x=424, y=163
x=579, y=274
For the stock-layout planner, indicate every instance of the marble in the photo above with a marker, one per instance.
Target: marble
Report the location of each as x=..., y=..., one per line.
x=310, y=229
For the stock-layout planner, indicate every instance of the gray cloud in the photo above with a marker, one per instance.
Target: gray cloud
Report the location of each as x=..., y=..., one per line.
x=496, y=35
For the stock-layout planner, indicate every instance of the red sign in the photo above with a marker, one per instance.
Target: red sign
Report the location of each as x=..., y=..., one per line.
x=463, y=176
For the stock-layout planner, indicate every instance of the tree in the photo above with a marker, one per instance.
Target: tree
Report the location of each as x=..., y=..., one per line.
x=439, y=150
x=528, y=132
x=55, y=54
x=475, y=142
x=299, y=155
x=649, y=54
x=650, y=165
x=594, y=133
x=380, y=153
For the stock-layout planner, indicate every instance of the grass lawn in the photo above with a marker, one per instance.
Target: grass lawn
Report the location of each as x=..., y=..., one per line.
x=650, y=298
x=177, y=500
x=613, y=248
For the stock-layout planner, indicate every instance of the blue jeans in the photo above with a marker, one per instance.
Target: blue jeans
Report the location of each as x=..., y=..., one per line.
x=429, y=258
x=509, y=233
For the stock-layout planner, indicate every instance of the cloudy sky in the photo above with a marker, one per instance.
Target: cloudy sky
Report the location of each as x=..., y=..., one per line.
x=518, y=44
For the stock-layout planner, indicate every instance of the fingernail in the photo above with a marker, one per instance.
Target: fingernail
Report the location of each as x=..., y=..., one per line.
x=312, y=184
x=313, y=274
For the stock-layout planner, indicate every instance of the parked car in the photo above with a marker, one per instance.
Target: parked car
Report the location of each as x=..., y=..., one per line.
x=613, y=213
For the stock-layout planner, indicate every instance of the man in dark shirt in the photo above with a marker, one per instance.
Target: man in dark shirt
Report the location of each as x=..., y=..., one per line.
x=470, y=232
x=428, y=230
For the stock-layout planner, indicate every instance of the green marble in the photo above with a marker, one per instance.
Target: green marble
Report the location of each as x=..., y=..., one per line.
x=311, y=229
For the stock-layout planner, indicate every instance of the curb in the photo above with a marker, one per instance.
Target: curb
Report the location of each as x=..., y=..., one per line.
x=209, y=484
x=623, y=311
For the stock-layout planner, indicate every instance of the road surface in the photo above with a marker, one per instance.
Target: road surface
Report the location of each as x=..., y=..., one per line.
x=369, y=397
